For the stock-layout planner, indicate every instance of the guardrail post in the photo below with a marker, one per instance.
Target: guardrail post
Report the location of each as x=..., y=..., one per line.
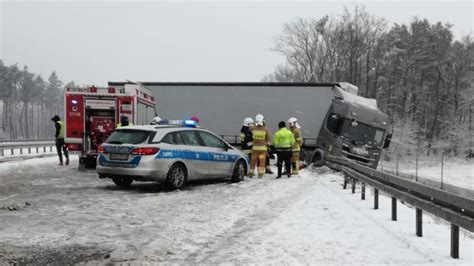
x=442, y=167
x=345, y=182
x=419, y=222
x=362, y=194
x=37, y=149
x=394, y=209
x=353, y=185
x=29, y=150
x=454, y=241
x=51, y=148
x=2, y=153
x=12, y=150
x=44, y=149
x=21, y=150
x=376, y=199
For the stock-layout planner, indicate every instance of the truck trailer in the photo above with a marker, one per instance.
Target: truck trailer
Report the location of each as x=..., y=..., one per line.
x=334, y=120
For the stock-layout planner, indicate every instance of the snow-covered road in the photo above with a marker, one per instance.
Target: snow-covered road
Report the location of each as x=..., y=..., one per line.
x=75, y=217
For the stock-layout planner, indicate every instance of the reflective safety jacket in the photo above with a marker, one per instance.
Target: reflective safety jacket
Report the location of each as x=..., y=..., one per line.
x=299, y=140
x=283, y=139
x=261, y=137
x=246, y=139
x=59, y=129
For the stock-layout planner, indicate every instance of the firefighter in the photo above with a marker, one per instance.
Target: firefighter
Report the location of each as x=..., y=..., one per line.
x=260, y=136
x=246, y=136
x=283, y=141
x=296, y=129
x=123, y=122
x=269, y=155
x=59, y=135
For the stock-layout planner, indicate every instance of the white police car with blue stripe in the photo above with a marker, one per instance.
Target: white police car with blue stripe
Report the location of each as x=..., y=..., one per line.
x=170, y=154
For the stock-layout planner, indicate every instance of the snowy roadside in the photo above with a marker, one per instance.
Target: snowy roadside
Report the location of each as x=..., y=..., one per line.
x=302, y=220
x=456, y=172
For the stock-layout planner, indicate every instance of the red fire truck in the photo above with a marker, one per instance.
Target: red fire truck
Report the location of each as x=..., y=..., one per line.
x=92, y=113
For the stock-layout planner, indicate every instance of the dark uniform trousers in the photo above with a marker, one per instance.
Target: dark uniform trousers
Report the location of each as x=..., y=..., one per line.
x=284, y=156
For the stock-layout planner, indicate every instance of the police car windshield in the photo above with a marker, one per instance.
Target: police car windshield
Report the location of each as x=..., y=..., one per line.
x=128, y=137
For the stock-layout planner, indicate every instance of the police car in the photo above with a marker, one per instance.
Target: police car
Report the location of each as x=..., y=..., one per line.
x=172, y=154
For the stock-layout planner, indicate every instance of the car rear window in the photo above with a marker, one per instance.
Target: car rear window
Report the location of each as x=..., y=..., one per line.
x=128, y=136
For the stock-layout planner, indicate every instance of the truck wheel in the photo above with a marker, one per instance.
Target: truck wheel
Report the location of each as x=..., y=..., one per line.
x=318, y=158
x=239, y=172
x=122, y=181
x=177, y=177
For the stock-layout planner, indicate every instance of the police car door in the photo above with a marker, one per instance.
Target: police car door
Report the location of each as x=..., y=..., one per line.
x=220, y=160
x=192, y=150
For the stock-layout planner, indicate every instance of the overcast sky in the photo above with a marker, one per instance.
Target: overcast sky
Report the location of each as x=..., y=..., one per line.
x=94, y=42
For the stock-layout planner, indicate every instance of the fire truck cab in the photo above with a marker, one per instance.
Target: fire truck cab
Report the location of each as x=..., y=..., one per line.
x=92, y=113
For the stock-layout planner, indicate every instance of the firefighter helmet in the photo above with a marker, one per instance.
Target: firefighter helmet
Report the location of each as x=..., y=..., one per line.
x=156, y=120
x=248, y=121
x=293, y=122
x=259, y=120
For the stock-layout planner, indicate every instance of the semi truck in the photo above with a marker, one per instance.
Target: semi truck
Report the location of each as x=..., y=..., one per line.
x=92, y=113
x=334, y=120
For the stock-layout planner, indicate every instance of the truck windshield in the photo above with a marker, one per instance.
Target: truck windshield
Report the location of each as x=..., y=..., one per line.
x=362, y=133
x=128, y=136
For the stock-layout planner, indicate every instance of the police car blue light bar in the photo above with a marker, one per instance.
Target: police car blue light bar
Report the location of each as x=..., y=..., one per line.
x=186, y=123
x=190, y=123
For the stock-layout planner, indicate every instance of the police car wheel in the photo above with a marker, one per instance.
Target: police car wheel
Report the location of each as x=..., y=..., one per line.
x=122, y=182
x=177, y=177
x=239, y=172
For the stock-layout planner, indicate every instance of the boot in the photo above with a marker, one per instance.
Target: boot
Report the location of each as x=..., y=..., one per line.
x=268, y=171
x=67, y=161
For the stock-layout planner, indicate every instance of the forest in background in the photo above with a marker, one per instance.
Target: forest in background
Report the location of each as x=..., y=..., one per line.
x=28, y=102
x=421, y=76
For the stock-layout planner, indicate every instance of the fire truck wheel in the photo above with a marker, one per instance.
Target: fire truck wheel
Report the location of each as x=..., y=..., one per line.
x=122, y=181
x=177, y=177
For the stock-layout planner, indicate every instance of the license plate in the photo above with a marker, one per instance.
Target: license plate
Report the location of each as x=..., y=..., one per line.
x=119, y=156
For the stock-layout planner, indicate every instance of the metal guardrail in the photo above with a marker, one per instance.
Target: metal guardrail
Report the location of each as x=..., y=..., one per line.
x=457, y=210
x=2, y=141
x=32, y=145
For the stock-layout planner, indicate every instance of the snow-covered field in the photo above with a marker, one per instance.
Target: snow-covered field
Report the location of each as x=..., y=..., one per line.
x=74, y=217
x=456, y=172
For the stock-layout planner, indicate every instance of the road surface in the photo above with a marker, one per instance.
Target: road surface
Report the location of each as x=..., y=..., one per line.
x=55, y=214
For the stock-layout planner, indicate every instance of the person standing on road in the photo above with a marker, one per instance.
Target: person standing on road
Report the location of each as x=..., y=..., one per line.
x=283, y=141
x=296, y=130
x=260, y=136
x=59, y=136
x=246, y=140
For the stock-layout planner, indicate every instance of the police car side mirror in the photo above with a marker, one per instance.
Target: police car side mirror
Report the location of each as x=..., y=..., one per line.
x=226, y=147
